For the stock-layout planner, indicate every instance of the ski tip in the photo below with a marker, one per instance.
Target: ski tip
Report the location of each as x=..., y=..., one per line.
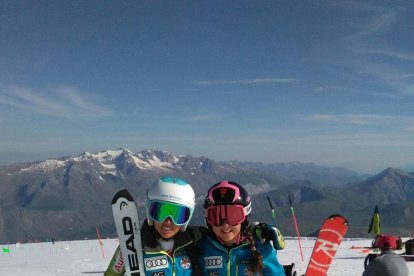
x=332, y=217
x=122, y=193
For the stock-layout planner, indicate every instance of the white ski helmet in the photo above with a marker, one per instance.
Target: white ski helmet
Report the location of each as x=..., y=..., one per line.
x=171, y=190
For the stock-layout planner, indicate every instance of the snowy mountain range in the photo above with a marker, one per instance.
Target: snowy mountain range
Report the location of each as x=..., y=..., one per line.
x=68, y=197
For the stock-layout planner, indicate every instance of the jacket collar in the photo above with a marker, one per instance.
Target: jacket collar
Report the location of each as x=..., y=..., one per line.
x=150, y=236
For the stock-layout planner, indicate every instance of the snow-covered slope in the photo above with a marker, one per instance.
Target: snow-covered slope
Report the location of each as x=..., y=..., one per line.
x=85, y=257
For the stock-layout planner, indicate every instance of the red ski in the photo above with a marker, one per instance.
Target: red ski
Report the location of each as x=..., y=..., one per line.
x=330, y=237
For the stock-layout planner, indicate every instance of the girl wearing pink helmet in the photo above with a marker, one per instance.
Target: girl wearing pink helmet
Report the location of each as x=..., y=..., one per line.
x=229, y=248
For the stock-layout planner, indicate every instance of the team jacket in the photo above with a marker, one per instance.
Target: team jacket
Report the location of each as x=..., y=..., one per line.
x=387, y=264
x=156, y=261
x=216, y=260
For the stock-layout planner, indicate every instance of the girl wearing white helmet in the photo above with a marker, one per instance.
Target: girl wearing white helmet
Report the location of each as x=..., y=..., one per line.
x=230, y=249
x=166, y=241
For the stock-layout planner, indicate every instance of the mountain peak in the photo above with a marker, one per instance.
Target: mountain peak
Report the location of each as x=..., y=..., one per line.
x=392, y=171
x=385, y=175
x=390, y=185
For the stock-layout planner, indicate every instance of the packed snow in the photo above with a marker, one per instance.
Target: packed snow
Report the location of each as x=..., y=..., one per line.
x=87, y=257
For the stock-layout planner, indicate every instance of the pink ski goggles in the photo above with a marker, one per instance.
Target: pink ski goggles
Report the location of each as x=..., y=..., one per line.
x=232, y=214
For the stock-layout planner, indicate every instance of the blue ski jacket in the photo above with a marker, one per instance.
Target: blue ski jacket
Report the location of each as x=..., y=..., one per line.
x=160, y=263
x=156, y=261
x=219, y=261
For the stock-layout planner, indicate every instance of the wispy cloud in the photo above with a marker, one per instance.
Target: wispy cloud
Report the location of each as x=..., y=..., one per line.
x=377, y=24
x=392, y=53
x=406, y=76
x=356, y=119
x=206, y=117
x=257, y=81
x=326, y=139
x=384, y=95
x=375, y=55
x=73, y=95
x=62, y=101
x=334, y=88
x=354, y=139
x=391, y=76
x=369, y=19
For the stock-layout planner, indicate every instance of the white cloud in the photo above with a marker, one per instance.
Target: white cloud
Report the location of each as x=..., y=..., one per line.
x=387, y=78
x=72, y=94
x=249, y=81
x=357, y=119
x=376, y=50
x=206, y=117
x=371, y=56
x=63, y=101
x=377, y=24
x=311, y=140
x=334, y=88
x=355, y=139
x=390, y=75
x=406, y=76
x=369, y=20
x=388, y=95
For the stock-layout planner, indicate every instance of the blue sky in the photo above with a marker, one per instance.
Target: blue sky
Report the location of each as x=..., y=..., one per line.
x=330, y=82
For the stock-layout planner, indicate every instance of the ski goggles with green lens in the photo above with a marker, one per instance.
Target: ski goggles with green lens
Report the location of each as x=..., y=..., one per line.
x=159, y=211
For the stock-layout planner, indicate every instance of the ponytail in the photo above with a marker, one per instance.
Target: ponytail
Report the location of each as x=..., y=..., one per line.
x=256, y=261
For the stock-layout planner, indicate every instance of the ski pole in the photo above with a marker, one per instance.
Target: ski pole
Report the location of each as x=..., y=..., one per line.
x=296, y=227
x=100, y=241
x=273, y=211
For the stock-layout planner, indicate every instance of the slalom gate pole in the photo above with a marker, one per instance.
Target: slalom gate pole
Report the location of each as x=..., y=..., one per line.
x=273, y=211
x=100, y=242
x=296, y=227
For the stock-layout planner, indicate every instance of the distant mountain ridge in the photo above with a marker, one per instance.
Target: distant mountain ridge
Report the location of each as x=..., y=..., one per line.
x=389, y=186
x=67, y=197
x=320, y=175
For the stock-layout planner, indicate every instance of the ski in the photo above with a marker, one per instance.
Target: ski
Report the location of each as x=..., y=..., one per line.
x=330, y=237
x=128, y=229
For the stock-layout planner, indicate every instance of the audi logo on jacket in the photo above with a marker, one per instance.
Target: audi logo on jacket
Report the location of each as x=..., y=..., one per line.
x=217, y=260
x=157, y=262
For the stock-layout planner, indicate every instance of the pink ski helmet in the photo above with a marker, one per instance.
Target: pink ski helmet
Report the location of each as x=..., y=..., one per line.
x=229, y=202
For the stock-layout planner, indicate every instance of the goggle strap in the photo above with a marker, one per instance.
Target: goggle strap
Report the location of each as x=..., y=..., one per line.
x=247, y=209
